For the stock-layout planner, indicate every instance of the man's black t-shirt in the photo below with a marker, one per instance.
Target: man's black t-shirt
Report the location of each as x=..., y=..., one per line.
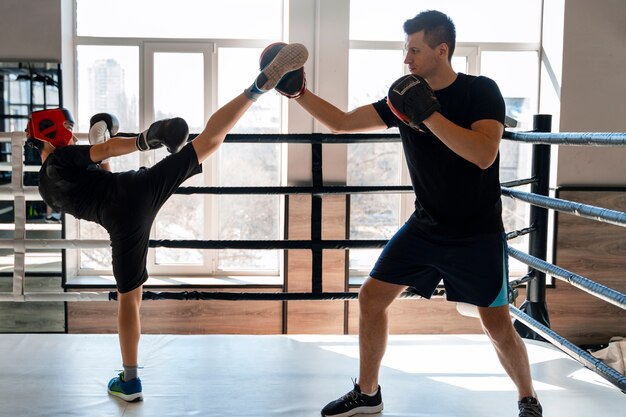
x=454, y=197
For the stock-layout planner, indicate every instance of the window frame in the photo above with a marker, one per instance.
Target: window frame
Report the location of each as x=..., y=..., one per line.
x=472, y=51
x=147, y=47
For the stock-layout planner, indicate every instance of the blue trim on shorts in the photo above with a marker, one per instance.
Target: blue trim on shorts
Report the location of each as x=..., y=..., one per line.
x=503, y=297
x=474, y=269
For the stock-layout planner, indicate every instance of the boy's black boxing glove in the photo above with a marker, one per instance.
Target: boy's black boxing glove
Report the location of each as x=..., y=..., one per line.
x=172, y=133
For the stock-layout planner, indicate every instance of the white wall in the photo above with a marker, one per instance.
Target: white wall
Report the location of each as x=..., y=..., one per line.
x=328, y=43
x=30, y=30
x=593, y=90
x=40, y=30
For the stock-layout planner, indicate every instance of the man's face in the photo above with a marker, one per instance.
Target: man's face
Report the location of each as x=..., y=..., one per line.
x=421, y=59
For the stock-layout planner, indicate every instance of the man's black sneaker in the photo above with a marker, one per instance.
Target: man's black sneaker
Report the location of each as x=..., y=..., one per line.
x=529, y=407
x=354, y=402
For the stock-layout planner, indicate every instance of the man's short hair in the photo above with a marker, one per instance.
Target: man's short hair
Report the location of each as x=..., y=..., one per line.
x=438, y=28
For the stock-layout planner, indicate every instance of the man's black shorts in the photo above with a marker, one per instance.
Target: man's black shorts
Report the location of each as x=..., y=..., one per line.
x=474, y=269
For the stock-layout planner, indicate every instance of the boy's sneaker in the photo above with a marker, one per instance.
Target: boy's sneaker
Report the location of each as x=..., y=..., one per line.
x=529, y=407
x=289, y=58
x=354, y=402
x=126, y=390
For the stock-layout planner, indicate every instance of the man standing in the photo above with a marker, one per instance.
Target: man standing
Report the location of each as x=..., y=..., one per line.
x=450, y=138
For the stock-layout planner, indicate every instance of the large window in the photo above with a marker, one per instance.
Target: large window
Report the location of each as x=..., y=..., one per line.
x=186, y=61
x=506, y=50
x=190, y=59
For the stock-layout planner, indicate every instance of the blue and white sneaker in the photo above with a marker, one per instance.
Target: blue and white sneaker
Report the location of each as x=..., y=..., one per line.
x=126, y=390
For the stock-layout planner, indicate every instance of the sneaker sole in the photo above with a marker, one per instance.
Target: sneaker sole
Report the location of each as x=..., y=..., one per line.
x=359, y=410
x=131, y=398
x=291, y=57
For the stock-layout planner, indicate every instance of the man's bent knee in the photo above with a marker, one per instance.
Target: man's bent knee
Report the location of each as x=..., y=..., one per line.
x=376, y=295
x=496, y=322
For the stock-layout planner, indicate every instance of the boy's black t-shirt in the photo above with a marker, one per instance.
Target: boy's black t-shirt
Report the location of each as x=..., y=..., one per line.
x=124, y=203
x=70, y=182
x=454, y=197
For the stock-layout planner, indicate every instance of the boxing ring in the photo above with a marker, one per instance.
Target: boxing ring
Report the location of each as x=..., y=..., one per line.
x=295, y=375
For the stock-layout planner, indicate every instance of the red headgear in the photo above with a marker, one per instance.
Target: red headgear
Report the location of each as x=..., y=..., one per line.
x=48, y=126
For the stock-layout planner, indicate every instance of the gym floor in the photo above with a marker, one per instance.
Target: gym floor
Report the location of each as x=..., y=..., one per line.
x=56, y=375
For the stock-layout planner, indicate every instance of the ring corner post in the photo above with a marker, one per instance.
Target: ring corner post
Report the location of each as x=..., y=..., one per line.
x=535, y=304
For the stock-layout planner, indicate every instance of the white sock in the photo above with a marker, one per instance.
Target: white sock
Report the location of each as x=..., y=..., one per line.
x=370, y=395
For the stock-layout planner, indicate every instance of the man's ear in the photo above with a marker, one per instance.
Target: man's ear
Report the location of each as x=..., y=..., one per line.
x=443, y=50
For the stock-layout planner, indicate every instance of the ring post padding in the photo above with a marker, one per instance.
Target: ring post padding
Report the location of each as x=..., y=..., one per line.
x=316, y=218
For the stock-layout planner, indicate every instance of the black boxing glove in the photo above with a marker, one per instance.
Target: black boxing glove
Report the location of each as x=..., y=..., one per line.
x=412, y=100
x=171, y=133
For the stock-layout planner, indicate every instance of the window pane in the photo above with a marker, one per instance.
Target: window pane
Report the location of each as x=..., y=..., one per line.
x=459, y=64
x=238, y=19
x=383, y=20
x=179, y=92
x=365, y=88
x=108, y=81
x=179, y=87
x=372, y=216
x=98, y=258
x=516, y=74
x=249, y=216
x=181, y=217
x=237, y=69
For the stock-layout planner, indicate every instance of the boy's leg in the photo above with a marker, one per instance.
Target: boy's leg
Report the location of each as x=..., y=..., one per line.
x=127, y=385
x=129, y=325
x=219, y=124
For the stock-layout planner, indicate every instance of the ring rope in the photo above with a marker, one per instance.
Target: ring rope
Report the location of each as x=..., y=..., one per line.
x=600, y=214
x=287, y=190
x=310, y=138
x=259, y=296
x=600, y=291
x=217, y=244
x=517, y=183
x=569, y=138
x=572, y=350
x=546, y=138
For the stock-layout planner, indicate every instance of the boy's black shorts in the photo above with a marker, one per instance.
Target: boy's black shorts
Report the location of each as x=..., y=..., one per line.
x=129, y=218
